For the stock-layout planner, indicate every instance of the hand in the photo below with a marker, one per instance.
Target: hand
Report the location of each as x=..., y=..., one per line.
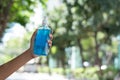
x=50, y=41
x=32, y=42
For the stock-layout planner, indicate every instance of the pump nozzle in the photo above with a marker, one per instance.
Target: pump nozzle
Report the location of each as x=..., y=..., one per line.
x=44, y=22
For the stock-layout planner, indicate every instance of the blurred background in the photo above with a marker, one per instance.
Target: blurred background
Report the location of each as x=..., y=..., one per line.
x=86, y=44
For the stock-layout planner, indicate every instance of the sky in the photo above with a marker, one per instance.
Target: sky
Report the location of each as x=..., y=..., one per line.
x=15, y=31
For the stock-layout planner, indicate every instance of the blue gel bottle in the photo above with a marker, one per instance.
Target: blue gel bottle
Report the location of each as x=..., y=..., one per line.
x=41, y=47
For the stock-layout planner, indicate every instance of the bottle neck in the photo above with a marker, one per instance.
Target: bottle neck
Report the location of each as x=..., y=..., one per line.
x=45, y=23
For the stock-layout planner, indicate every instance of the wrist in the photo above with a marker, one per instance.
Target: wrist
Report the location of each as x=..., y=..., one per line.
x=31, y=53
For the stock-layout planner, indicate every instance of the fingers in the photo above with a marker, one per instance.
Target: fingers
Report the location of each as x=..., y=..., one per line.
x=50, y=41
x=51, y=36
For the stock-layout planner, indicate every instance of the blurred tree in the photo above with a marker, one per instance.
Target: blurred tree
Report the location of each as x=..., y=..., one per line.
x=16, y=11
x=94, y=16
x=80, y=19
x=59, y=31
x=103, y=19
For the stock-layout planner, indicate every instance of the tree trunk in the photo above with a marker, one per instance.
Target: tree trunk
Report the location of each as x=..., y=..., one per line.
x=2, y=28
x=5, y=6
x=108, y=57
x=97, y=59
x=63, y=59
x=81, y=51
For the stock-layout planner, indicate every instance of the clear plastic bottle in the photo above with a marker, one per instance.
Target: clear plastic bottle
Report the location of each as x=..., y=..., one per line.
x=41, y=46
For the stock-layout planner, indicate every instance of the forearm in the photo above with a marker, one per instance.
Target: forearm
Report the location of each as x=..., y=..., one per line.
x=13, y=65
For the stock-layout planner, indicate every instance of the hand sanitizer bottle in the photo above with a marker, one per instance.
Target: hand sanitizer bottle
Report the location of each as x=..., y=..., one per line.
x=41, y=47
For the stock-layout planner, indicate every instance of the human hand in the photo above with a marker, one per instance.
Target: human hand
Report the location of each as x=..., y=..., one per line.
x=32, y=42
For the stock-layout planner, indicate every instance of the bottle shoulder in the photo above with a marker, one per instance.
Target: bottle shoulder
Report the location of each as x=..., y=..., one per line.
x=44, y=27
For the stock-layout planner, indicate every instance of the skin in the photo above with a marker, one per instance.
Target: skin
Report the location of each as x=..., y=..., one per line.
x=8, y=68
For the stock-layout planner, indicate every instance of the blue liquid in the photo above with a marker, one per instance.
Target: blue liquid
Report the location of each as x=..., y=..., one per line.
x=41, y=42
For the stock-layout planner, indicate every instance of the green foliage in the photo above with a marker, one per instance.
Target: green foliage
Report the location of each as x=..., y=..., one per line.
x=90, y=24
x=88, y=43
x=79, y=73
x=16, y=11
x=5, y=59
x=43, y=2
x=109, y=73
x=88, y=73
x=54, y=50
x=43, y=69
x=21, y=10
